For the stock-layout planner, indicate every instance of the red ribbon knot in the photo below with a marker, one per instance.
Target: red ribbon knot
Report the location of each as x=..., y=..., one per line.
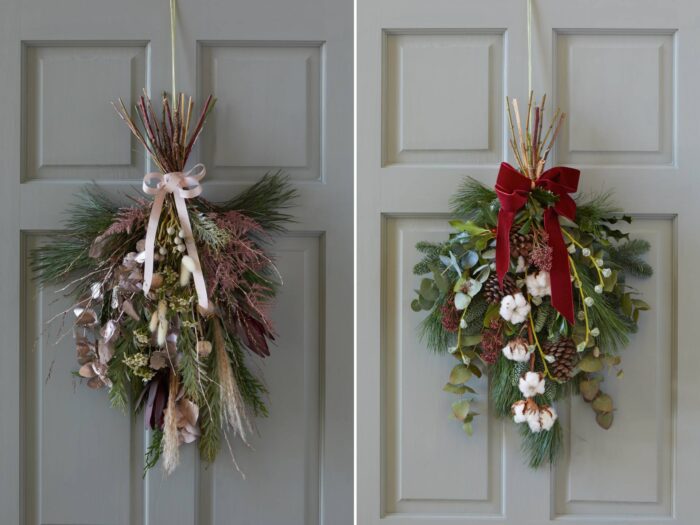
x=513, y=189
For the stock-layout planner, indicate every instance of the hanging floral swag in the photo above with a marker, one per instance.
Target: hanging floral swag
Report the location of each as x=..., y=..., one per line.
x=531, y=289
x=174, y=293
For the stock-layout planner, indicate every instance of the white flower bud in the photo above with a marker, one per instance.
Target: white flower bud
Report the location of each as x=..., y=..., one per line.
x=203, y=348
x=162, y=333
x=599, y=262
x=178, y=241
x=181, y=248
x=581, y=315
x=170, y=230
x=153, y=325
x=163, y=250
x=589, y=301
x=162, y=309
x=595, y=332
x=598, y=288
x=571, y=248
x=181, y=234
x=586, y=252
x=607, y=272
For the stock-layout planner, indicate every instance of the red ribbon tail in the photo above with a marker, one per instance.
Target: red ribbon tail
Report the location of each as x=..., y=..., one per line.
x=560, y=277
x=505, y=221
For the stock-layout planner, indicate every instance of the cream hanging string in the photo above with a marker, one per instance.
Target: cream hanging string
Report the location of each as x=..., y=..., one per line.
x=529, y=47
x=173, y=22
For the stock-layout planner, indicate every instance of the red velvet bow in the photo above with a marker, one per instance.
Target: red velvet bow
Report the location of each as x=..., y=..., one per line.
x=513, y=189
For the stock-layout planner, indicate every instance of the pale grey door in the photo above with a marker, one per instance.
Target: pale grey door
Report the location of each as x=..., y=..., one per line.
x=432, y=77
x=282, y=71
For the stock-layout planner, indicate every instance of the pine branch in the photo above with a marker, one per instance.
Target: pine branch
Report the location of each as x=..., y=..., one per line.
x=118, y=373
x=208, y=232
x=154, y=451
x=475, y=202
x=265, y=201
x=591, y=210
x=431, y=331
x=191, y=371
x=504, y=385
x=251, y=387
x=210, y=415
x=431, y=257
x=627, y=257
x=541, y=447
x=603, y=314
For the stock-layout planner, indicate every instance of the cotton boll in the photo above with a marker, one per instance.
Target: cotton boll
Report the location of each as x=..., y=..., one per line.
x=531, y=384
x=507, y=307
x=539, y=284
x=517, y=318
x=534, y=422
x=518, y=409
x=516, y=350
x=547, y=417
x=508, y=302
x=514, y=308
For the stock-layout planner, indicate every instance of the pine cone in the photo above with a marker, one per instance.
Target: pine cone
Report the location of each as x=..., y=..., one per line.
x=565, y=358
x=492, y=290
x=520, y=245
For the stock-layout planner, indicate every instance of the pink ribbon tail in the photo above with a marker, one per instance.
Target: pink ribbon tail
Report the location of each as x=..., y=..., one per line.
x=182, y=186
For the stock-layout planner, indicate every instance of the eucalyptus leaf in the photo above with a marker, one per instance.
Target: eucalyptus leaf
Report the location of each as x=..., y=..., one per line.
x=589, y=389
x=467, y=426
x=428, y=290
x=602, y=403
x=590, y=363
x=604, y=419
x=470, y=259
x=468, y=227
x=416, y=306
x=489, y=254
x=456, y=389
x=567, y=223
x=441, y=282
x=474, y=287
x=471, y=340
x=460, y=409
x=475, y=370
x=460, y=374
x=425, y=303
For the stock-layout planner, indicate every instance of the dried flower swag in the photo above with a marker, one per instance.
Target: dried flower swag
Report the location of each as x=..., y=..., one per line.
x=532, y=290
x=178, y=351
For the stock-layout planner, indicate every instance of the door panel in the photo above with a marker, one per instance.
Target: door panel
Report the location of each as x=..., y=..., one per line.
x=282, y=71
x=624, y=73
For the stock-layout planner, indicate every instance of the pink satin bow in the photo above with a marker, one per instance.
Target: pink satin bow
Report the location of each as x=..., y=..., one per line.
x=182, y=186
